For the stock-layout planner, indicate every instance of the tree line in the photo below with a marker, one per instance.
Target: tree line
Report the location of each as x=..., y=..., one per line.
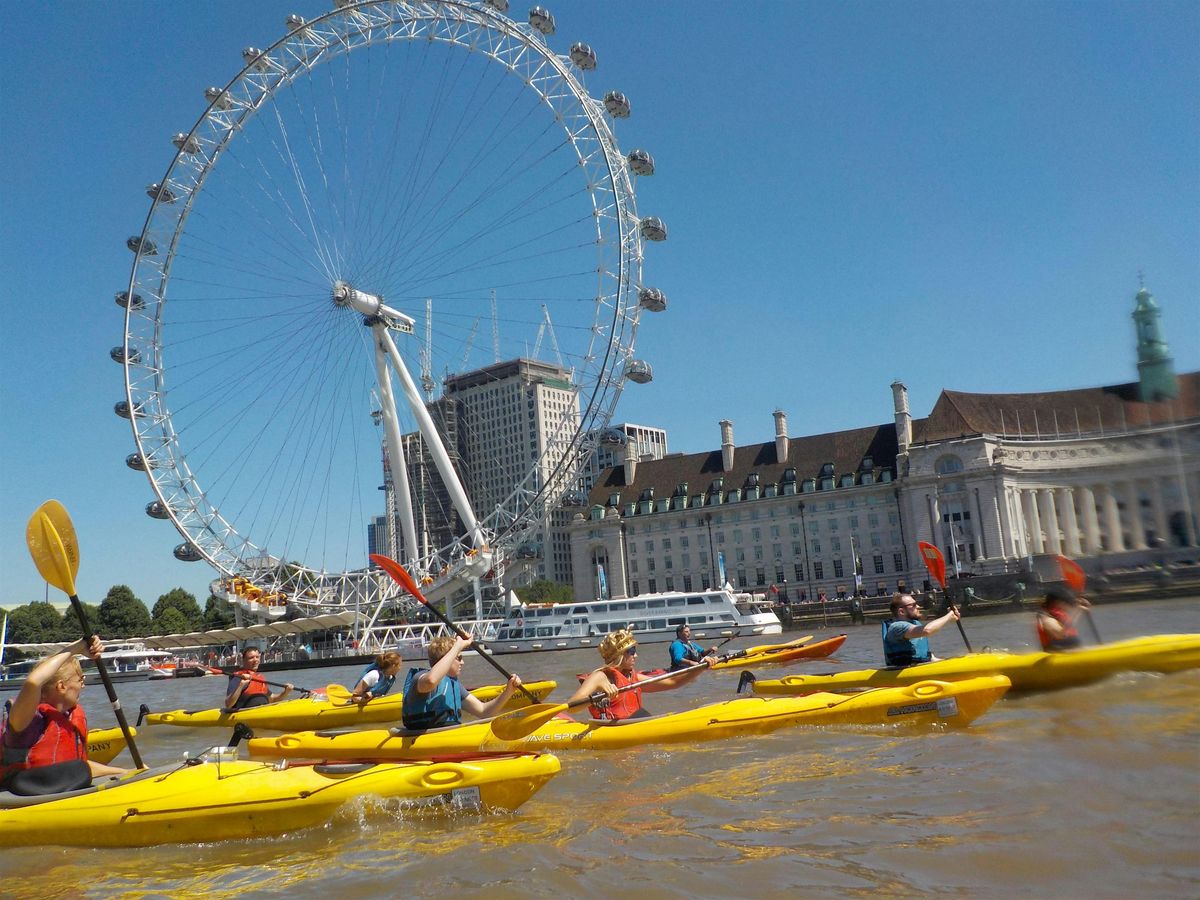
x=119, y=615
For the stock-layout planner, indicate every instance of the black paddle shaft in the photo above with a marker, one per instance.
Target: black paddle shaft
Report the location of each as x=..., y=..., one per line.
x=88, y=634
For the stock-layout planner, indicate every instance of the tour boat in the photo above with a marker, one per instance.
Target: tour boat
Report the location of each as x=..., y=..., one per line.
x=532, y=628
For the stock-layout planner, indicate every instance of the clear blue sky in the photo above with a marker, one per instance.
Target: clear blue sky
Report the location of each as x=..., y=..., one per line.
x=956, y=195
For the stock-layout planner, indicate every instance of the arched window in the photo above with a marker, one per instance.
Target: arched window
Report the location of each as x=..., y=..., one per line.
x=947, y=464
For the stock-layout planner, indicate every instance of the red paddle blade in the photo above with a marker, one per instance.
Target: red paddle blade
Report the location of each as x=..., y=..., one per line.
x=1072, y=574
x=934, y=562
x=399, y=574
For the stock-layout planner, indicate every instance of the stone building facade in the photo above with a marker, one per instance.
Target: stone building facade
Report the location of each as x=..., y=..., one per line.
x=1109, y=476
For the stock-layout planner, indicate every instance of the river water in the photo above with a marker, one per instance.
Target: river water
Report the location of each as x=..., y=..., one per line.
x=1088, y=792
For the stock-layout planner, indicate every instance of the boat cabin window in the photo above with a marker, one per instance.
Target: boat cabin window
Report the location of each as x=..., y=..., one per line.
x=676, y=622
x=696, y=601
x=656, y=604
x=637, y=604
x=545, y=631
x=658, y=623
x=676, y=601
x=579, y=611
x=616, y=607
x=697, y=620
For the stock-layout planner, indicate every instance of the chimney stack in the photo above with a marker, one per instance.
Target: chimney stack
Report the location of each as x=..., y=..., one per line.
x=781, y=438
x=726, y=445
x=903, y=418
x=631, y=461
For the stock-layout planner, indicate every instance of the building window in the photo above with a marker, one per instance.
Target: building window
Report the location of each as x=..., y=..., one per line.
x=760, y=576
x=835, y=544
x=653, y=585
x=816, y=546
x=878, y=564
x=687, y=582
x=837, y=568
x=666, y=543
x=704, y=583
x=758, y=552
x=818, y=571
x=634, y=585
x=897, y=563
x=633, y=566
x=740, y=554
x=798, y=570
x=833, y=525
x=650, y=567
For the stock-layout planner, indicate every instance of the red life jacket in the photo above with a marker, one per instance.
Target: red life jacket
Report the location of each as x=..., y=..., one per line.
x=1070, y=636
x=623, y=705
x=255, y=685
x=63, y=738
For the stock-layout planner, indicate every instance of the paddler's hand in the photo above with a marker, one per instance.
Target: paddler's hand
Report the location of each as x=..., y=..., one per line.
x=605, y=695
x=514, y=682
x=91, y=647
x=1083, y=603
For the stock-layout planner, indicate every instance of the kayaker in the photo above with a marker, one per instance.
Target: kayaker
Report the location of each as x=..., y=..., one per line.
x=43, y=740
x=685, y=652
x=906, y=637
x=377, y=678
x=433, y=697
x=619, y=651
x=1056, y=619
x=246, y=687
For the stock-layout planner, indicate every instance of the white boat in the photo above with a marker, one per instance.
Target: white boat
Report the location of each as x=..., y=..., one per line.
x=125, y=661
x=653, y=618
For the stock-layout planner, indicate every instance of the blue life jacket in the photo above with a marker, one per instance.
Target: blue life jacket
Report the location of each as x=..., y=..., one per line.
x=682, y=652
x=906, y=651
x=382, y=686
x=441, y=706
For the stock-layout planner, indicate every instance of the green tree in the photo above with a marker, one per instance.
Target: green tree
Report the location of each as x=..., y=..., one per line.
x=34, y=623
x=122, y=614
x=543, y=591
x=172, y=621
x=182, y=602
x=217, y=613
x=70, y=630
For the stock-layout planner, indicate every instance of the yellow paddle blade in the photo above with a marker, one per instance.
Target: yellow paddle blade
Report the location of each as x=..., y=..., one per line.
x=51, y=539
x=522, y=722
x=338, y=693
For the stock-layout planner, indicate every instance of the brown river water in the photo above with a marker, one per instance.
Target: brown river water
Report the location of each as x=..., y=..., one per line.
x=1087, y=792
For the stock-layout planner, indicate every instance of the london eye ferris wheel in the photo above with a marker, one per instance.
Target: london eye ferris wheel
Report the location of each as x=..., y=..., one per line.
x=389, y=195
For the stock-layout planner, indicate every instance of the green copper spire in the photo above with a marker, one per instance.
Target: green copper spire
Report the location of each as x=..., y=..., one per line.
x=1156, y=370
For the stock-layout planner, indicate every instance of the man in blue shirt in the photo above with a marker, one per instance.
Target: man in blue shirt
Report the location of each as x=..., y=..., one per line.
x=685, y=652
x=906, y=637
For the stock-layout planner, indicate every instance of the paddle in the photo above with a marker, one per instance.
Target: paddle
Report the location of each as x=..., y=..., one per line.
x=1076, y=579
x=754, y=651
x=517, y=724
x=401, y=577
x=51, y=539
x=255, y=677
x=936, y=564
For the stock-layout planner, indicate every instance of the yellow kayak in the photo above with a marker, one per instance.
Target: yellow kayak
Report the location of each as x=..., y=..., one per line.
x=1037, y=671
x=783, y=653
x=922, y=705
x=321, y=712
x=104, y=744
x=218, y=797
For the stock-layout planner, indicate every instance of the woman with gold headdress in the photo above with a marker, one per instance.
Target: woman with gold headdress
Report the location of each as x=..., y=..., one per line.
x=619, y=651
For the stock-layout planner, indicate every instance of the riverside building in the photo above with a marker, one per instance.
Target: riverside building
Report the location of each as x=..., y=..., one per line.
x=1109, y=476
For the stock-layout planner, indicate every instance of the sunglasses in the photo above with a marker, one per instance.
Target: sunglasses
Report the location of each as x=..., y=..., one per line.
x=631, y=651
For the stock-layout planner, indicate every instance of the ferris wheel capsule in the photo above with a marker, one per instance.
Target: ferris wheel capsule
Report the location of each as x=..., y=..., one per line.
x=617, y=105
x=641, y=162
x=188, y=553
x=294, y=22
x=144, y=247
x=256, y=60
x=639, y=371
x=123, y=300
x=541, y=20
x=217, y=97
x=161, y=193
x=156, y=510
x=583, y=56
x=652, y=299
x=654, y=229
x=498, y=5
x=186, y=143
x=119, y=355
x=123, y=409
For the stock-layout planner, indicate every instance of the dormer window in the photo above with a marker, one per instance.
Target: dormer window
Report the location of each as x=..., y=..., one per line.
x=867, y=464
x=789, y=474
x=847, y=481
x=827, y=470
